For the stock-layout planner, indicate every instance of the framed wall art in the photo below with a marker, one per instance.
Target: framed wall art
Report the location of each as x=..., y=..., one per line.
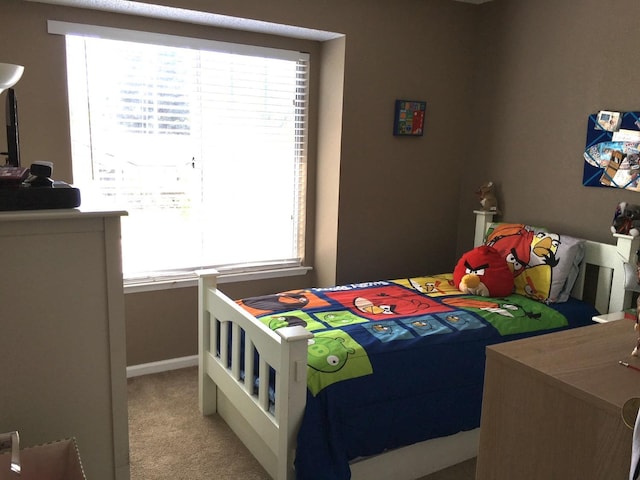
x=409, y=118
x=612, y=152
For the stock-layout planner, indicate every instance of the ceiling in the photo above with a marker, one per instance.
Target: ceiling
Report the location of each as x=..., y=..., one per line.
x=197, y=17
x=132, y=7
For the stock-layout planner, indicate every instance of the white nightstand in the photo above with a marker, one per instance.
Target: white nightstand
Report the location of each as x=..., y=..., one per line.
x=608, y=317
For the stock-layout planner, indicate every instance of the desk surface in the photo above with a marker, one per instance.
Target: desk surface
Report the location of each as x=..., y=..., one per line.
x=552, y=405
x=585, y=359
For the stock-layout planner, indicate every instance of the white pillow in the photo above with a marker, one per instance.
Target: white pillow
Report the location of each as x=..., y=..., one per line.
x=545, y=265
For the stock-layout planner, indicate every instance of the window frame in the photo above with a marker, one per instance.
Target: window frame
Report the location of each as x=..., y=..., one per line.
x=188, y=277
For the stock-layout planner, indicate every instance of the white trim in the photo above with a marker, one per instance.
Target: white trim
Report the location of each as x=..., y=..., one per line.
x=197, y=17
x=409, y=461
x=56, y=27
x=263, y=274
x=162, y=366
x=192, y=280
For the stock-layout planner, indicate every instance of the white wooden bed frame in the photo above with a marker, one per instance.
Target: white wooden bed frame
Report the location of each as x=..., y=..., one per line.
x=271, y=436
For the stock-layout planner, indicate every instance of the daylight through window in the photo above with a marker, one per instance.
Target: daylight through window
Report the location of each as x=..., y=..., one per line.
x=204, y=147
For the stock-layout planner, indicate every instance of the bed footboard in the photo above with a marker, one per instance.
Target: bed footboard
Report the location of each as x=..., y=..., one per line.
x=254, y=377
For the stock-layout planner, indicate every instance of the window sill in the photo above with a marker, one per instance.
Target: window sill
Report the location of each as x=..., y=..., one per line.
x=191, y=280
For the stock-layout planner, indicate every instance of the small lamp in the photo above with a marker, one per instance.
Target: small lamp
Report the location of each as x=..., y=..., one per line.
x=9, y=75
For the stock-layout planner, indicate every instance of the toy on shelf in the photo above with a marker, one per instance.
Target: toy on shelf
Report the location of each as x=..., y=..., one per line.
x=626, y=219
x=488, y=199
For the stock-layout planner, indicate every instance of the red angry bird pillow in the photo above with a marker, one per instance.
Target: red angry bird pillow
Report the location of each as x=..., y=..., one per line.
x=483, y=271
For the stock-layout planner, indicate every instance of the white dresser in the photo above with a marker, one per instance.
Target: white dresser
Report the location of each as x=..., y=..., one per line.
x=62, y=334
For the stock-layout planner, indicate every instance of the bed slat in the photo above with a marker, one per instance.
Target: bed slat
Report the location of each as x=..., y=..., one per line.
x=249, y=354
x=603, y=289
x=222, y=343
x=263, y=387
x=235, y=351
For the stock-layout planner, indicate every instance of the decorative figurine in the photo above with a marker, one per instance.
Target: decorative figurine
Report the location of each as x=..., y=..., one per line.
x=487, y=196
x=626, y=219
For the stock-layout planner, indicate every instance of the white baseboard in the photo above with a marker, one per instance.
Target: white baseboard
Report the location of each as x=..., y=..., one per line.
x=162, y=366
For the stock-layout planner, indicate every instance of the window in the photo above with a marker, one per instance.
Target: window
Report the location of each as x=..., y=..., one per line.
x=189, y=138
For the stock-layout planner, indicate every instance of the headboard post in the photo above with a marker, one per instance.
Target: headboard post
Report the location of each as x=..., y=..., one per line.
x=207, y=393
x=483, y=220
x=626, y=246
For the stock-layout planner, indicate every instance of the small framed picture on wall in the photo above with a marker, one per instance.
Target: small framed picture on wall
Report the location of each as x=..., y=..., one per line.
x=409, y=118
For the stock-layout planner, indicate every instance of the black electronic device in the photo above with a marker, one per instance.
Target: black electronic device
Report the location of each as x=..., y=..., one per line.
x=41, y=169
x=58, y=195
x=40, y=174
x=37, y=191
x=13, y=136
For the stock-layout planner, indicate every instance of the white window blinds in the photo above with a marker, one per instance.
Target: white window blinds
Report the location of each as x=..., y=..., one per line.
x=204, y=145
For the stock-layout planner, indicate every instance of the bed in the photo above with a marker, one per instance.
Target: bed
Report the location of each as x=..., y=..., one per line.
x=348, y=395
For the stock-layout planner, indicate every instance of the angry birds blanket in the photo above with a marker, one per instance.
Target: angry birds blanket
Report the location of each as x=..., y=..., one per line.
x=396, y=362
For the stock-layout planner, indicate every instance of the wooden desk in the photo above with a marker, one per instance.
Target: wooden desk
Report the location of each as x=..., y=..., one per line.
x=552, y=406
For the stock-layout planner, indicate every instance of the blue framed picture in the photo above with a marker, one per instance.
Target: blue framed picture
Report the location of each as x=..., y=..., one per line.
x=612, y=153
x=409, y=118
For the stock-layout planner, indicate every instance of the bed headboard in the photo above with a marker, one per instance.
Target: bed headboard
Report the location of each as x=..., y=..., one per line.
x=601, y=279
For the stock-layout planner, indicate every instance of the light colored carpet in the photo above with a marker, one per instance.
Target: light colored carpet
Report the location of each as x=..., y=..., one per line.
x=170, y=440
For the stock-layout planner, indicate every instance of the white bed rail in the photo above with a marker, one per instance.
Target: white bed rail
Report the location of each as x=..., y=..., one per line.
x=227, y=377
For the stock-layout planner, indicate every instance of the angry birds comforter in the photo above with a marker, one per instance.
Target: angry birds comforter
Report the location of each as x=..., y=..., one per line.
x=396, y=362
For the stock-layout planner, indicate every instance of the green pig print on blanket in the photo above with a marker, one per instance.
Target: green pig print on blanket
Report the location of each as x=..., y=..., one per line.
x=333, y=355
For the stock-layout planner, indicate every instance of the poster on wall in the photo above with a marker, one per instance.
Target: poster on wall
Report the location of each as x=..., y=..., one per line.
x=409, y=117
x=612, y=151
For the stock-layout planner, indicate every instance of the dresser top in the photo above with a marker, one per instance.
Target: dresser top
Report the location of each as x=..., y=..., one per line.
x=54, y=214
x=582, y=360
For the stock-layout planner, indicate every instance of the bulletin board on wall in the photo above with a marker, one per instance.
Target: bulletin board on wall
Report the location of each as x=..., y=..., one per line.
x=612, y=151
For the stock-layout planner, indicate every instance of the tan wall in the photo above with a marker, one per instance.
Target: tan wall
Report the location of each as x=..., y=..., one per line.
x=392, y=190
x=509, y=85
x=544, y=66
x=391, y=213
